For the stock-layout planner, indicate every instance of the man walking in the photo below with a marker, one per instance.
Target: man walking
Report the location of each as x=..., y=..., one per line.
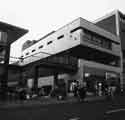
x=81, y=92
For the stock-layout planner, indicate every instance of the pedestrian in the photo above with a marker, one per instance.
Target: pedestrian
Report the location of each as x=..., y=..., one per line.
x=110, y=93
x=81, y=92
x=74, y=88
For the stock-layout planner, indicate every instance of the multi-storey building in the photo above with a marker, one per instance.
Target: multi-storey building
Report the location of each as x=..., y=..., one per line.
x=28, y=43
x=79, y=51
x=8, y=34
x=114, y=22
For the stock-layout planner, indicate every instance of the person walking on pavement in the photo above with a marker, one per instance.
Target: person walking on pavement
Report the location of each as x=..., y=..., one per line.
x=111, y=91
x=81, y=92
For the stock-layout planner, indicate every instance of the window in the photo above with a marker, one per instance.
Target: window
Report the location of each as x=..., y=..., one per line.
x=27, y=53
x=97, y=40
x=75, y=38
x=41, y=46
x=60, y=37
x=106, y=44
x=87, y=35
x=49, y=42
x=3, y=37
x=33, y=50
x=75, y=29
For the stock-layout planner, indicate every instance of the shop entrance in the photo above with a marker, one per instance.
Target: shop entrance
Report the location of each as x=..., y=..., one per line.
x=98, y=80
x=95, y=84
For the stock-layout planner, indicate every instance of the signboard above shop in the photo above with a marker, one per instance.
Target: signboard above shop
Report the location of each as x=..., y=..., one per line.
x=110, y=75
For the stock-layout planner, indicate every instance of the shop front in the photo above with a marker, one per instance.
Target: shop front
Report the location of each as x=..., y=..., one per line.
x=98, y=80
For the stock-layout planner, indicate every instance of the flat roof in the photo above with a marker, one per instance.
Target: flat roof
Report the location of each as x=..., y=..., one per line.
x=13, y=31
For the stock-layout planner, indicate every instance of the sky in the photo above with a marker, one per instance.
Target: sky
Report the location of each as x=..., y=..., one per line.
x=43, y=16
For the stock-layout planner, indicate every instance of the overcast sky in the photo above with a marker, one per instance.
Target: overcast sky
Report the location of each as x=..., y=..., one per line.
x=42, y=16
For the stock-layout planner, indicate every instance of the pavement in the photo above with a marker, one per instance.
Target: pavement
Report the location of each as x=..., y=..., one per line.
x=47, y=101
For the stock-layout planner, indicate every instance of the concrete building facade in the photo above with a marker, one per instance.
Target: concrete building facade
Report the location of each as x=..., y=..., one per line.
x=8, y=34
x=79, y=51
x=114, y=22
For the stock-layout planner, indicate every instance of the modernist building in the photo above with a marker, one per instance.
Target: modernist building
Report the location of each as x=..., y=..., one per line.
x=114, y=22
x=8, y=34
x=28, y=43
x=79, y=51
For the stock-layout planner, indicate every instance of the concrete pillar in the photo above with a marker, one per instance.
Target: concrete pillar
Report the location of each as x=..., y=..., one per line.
x=55, y=82
x=4, y=76
x=21, y=77
x=36, y=75
x=80, y=71
x=118, y=26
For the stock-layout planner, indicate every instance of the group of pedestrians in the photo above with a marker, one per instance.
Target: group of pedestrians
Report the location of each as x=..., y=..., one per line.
x=79, y=90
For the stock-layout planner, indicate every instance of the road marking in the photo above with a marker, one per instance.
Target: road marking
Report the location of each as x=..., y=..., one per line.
x=76, y=118
x=116, y=110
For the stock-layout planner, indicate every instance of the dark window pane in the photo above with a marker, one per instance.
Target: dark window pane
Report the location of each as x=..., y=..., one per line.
x=49, y=42
x=41, y=46
x=33, y=50
x=60, y=37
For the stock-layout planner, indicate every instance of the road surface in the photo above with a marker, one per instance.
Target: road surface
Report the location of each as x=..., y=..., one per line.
x=94, y=110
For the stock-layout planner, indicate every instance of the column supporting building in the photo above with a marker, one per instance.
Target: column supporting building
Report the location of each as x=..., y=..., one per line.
x=4, y=80
x=36, y=75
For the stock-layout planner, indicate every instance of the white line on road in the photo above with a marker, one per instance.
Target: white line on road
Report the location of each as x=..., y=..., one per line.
x=116, y=110
x=76, y=118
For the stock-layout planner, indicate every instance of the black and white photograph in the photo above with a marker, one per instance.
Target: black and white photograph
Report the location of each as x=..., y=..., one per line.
x=62, y=60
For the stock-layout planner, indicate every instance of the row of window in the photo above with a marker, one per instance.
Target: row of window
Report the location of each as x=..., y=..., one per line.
x=58, y=38
x=48, y=43
x=97, y=40
x=62, y=59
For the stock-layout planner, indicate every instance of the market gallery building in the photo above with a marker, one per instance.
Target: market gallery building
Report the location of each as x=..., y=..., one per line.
x=114, y=22
x=8, y=34
x=79, y=51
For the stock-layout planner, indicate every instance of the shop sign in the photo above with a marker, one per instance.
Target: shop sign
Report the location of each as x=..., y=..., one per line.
x=110, y=75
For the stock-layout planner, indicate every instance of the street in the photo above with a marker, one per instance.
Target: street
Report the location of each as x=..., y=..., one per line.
x=94, y=110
